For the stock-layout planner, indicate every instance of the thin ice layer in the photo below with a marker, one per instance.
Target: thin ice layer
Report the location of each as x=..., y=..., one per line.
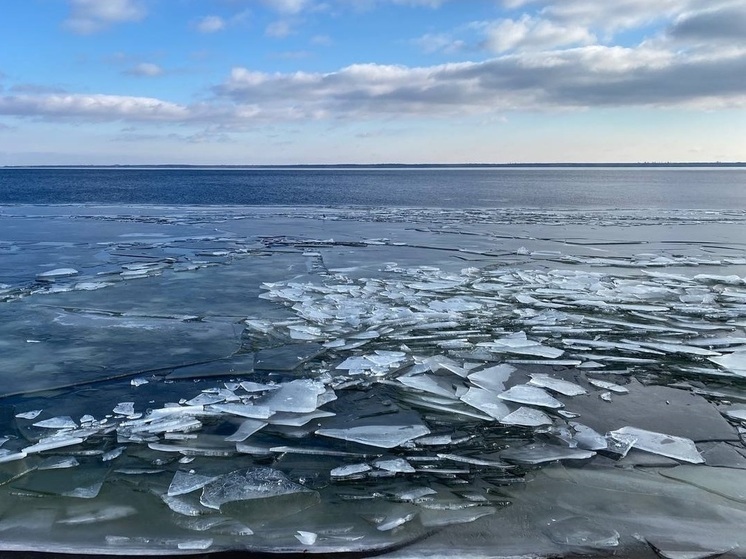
x=246, y=485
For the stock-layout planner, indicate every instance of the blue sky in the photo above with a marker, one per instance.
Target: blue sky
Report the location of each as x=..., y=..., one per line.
x=369, y=81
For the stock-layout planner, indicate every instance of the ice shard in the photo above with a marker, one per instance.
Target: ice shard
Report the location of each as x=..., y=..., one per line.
x=530, y=395
x=186, y=482
x=382, y=436
x=526, y=417
x=486, y=401
x=556, y=385
x=677, y=448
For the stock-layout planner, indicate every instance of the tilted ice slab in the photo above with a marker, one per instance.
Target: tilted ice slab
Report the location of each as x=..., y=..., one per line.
x=557, y=385
x=299, y=396
x=531, y=395
x=492, y=378
x=734, y=362
x=541, y=453
x=527, y=417
x=486, y=401
x=518, y=343
x=382, y=436
x=677, y=448
x=186, y=482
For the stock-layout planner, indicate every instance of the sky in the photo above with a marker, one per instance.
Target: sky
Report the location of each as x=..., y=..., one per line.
x=255, y=82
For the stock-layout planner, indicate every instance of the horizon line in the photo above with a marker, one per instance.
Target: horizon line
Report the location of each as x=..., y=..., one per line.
x=376, y=165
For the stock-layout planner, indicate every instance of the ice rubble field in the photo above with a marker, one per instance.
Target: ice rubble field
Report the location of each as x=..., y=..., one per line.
x=420, y=382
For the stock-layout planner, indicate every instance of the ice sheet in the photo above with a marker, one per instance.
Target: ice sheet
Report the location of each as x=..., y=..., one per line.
x=328, y=391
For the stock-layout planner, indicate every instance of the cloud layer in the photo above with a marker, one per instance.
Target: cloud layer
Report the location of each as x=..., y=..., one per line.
x=547, y=56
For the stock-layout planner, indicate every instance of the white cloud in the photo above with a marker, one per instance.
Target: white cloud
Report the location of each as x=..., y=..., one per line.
x=96, y=107
x=210, y=24
x=719, y=24
x=583, y=77
x=145, y=69
x=90, y=16
x=560, y=79
x=532, y=33
x=279, y=29
x=614, y=16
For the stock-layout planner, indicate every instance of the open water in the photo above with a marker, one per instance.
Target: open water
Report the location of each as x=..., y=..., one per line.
x=541, y=188
x=415, y=363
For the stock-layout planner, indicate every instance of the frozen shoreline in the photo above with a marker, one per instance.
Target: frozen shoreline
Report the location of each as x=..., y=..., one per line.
x=423, y=322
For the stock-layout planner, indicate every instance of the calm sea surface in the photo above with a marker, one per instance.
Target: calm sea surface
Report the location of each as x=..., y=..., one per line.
x=571, y=188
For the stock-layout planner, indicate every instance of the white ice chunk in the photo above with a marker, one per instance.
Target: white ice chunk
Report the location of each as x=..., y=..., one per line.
x=29, y=414
x=430, y=383
x=57, y=273
x=492, y=378
x=520, y=344
x=112, y=454
x=60, y=422
x=306, y=538
x=587, y=438
x=606, y=385
x=299, y=396
x=244, y=410
x=737, y=414
x=186, y=482
x=679, y=348
x=527, y=417
x=350, y=470
x=556, y=385
x=382, y=436
x=395, y=465
x=252, y=387
x=125, y=408
x=531, y=395
x=437, y=362
x=138, y=381
x=669, y=446
x=394, y=521
x=414, y=494
x=205, y=399
x=384, y=358
x=11, y=456
x=246, y=429
x=197, y=545
x=734, y=362
x=486, y=401
x=455, y=304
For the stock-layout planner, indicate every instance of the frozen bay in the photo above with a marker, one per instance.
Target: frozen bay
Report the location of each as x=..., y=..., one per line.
x=307, y=379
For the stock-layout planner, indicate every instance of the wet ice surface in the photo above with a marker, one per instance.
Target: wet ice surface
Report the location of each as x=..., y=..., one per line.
x=183, y=380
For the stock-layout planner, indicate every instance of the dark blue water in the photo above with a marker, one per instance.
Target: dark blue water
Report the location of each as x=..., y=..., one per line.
x=547, y=188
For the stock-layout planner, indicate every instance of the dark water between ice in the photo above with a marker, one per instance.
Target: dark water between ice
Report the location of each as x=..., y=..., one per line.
x=546, y=188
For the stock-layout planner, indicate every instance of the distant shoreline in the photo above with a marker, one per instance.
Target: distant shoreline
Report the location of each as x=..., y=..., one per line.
x=353, y=166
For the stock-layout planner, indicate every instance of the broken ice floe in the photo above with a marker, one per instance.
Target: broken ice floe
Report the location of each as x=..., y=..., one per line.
x=678, y=448
x=382, y=436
